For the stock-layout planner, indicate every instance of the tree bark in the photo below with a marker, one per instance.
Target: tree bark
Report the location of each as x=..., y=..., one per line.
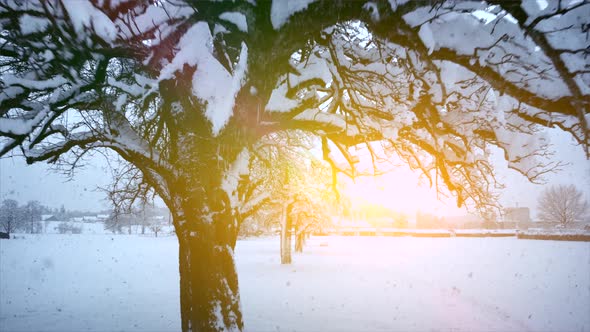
x=209, y=294
x=299, y=241
x=299, y=235
x=286, y=236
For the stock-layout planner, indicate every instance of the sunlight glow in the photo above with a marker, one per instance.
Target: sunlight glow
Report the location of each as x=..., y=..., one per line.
x=402, y=191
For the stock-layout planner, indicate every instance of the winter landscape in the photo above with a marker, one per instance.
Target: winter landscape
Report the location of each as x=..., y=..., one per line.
x=130, y=283
x=294, y=165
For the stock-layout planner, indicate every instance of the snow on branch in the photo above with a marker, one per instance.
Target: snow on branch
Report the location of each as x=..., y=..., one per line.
x=418, y=103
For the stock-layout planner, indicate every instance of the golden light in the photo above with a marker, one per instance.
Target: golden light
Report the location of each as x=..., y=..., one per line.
x=401, y=190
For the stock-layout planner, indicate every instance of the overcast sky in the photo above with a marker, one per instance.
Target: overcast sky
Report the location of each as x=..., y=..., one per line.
x=521, y=192
x=38, y=182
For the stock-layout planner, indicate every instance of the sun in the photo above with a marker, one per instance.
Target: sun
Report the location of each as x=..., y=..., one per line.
x=403, y=191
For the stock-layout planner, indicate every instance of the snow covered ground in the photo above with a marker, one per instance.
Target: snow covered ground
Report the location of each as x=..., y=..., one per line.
x=130, y=283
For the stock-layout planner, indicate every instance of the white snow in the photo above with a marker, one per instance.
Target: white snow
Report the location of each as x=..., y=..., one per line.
x=155, y=16
x=134, y=89
x=31, y=24
x=279, y=102
x=18, y=126
x=542, y=4
x=373, y=10
x=485, y=16
x=395, y=3
x=218, y=28
x=85, y=16
x=427, y=38
x=253, y=90
x=120, y=102
x=195, y=49
x=34, y=83
x=130, y=283
x=281, y=10
x=472, y=33
x=232, y=176
x=315, y=67
x=236, y=18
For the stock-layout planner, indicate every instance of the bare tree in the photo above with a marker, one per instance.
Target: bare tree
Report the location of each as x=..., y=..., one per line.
x=291, y=188
x=185, y=90
x=143, y=213
x=114, y=223
x=128, y=195
x=10, y=220
x=562, y=203
x=156, y=227
x=32, y=217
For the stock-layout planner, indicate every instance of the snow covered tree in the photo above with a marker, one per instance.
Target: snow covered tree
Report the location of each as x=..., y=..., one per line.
x=32, y=216
x=114, y=223
x=292, y=188
x=184, y=90
x=128, y=197
x=156, y=228
x=309, y=215
x=143, y=213
x=9, y=216
x=562, y=203
x=312, y=204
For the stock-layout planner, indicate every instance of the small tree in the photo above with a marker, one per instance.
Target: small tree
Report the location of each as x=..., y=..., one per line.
x=61, y=214
x=32, y=216
x=562, y=203
x=156, y=227
x=294, y=194
x=9, y=216
x=144, y=212
x=113, y=224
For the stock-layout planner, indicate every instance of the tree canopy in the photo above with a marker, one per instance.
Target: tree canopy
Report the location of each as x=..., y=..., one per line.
x=562, y=203
x=164, y=83
x=185, y=92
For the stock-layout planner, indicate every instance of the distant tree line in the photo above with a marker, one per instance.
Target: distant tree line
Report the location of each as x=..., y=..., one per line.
x=27, y=217
x=15, y=217
x=137, y=218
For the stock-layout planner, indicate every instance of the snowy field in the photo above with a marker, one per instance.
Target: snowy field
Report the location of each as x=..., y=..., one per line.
x=130, y=283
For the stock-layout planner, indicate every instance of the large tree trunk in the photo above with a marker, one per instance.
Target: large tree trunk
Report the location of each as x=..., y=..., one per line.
x=206, y=203
x=209, y=295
